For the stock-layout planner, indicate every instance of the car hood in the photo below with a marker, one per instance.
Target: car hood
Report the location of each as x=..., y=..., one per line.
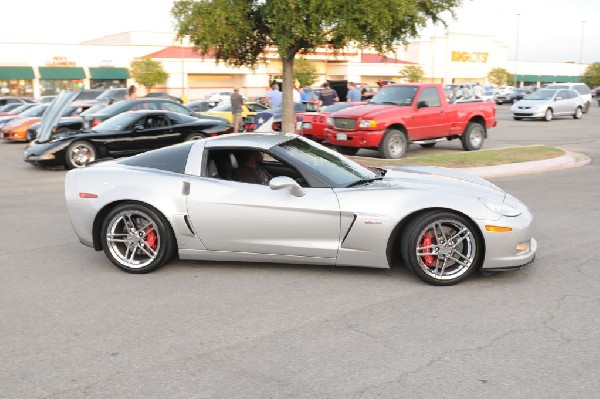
x=54, y=112
x=532, y=103
x=369, y=111
x=437, y=178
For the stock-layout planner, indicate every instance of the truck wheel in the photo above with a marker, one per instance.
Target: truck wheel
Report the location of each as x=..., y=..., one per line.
x=346, y=150
x=472, y=138
x=393, y=145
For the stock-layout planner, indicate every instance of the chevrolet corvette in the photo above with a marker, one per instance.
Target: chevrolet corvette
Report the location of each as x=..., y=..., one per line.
x=315, y=207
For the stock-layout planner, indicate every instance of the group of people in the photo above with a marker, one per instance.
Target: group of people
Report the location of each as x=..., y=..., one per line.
x=463, y=91
x=327, y=96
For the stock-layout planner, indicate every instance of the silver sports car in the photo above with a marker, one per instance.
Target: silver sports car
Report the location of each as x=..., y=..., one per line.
x=283, y=198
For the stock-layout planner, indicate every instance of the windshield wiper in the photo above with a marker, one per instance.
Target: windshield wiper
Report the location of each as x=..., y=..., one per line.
x=363, y=181
x=385, y=102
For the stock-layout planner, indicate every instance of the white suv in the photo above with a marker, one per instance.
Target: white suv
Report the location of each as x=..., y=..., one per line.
x=581, y=88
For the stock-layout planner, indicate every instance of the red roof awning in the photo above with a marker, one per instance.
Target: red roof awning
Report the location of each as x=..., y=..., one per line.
x=179, y=52
x=378, y=59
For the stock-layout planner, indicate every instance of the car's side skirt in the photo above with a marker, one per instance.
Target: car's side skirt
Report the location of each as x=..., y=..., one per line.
x=231, y=256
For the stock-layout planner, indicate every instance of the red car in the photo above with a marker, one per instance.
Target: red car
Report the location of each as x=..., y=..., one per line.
x=312, y=124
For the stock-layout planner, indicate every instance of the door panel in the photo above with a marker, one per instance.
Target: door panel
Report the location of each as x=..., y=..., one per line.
x=242, y=217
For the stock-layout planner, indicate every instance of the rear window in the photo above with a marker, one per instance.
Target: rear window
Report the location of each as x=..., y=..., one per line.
x=172, y=159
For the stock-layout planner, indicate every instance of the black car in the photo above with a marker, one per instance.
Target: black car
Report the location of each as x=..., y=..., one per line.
x=126, y=134
x=8, y=100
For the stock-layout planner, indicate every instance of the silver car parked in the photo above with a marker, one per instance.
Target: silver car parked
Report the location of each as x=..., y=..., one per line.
x=548, y=103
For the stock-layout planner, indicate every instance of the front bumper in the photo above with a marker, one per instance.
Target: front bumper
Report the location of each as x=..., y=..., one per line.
x=45, y=153
x=528, y=113
x=359, y=139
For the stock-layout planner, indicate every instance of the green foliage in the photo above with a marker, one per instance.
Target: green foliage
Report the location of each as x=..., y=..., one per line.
x=412, y=73
x=591, y=76
x=147, y=72
x=305, y=72
x=237, y=31
x=499, y=76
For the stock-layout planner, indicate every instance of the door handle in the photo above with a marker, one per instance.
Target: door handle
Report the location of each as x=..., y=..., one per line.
x=185, y=188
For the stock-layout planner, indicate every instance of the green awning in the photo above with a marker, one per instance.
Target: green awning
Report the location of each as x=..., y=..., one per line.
x=16, y=73
x=66, y=73
x=109, y=73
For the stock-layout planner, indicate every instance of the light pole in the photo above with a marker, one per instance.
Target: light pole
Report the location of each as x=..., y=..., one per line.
x=517, y=50
x=581, y=48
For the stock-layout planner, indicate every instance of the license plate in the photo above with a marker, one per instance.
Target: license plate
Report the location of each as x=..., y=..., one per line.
x=307, y=125
x=341, y=136
x=299, y=125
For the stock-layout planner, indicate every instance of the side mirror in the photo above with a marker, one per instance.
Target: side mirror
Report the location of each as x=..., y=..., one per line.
x=422, y=104
x=137, y=128
x=558, y=98
x=284, y=182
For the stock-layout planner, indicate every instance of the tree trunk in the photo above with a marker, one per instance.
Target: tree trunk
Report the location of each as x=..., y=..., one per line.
x=288, y=122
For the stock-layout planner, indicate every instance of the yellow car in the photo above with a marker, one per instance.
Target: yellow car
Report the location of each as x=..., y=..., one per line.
x=224, y=110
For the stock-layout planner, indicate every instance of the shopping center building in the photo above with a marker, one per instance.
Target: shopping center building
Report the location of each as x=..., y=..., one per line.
x=34, y=70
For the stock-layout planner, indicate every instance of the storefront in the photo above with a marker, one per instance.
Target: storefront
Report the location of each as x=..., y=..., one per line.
x=108, y=77
x=54, y=79
x=16, y=81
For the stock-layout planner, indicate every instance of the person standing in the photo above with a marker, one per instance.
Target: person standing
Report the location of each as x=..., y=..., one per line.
x=303, y=95
x=328, y=96
x=131, y=93
x=354, y=94
x=274, y=97
x=477, y=90
x=236, y=109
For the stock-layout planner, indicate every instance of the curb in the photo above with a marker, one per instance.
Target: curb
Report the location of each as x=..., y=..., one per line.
x=569, y=160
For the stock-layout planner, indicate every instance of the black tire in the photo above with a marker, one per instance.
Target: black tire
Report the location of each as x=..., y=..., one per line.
x=79, y=154
x=473, y=137
x=441, y=267
x=346, y=150
x=578, y=113
x=517, y=118
x=195, y=136
x=393, y=145
x=428, y=145
x=548, y=115
x=148, y=244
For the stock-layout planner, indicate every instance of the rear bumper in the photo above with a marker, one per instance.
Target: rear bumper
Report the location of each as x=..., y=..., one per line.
x=359, y=139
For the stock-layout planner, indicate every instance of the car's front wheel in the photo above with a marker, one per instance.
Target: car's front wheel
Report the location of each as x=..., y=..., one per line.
x=548, y=115
x=578, y=113
x=472, y=138
x=79, y=154
x=137, y=238
x=442, y=248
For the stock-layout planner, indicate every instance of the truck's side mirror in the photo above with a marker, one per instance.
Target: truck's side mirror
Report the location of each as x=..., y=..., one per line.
x=422, y=104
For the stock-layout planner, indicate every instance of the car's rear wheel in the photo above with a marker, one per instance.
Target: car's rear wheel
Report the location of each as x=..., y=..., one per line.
x=428, y=145
x=393, y=145
x=195, y=136
x=137, y=238
x=442, y=248
x=548, y=115
x=472, y=138
x=346, y=150
x=79, y=154
x=578, y=113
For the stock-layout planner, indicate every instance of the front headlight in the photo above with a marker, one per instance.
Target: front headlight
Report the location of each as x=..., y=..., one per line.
x=500, y=208
x=330, y=121
x=367, y=123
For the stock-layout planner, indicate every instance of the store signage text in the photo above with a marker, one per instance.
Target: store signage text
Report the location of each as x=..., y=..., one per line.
x=465, y=56
x=60, y=61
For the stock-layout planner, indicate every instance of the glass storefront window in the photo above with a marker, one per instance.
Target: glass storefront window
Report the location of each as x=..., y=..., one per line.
x=51, y=87
x=16, y=87
x=108, y=83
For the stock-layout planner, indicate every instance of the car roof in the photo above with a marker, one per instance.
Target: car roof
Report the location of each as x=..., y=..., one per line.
x=254, y=140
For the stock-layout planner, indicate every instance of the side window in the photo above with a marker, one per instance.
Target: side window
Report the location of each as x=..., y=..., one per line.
x=140, y=123
x=156, y=122
x=174, y=108
x=431, y=96
x=562, y=94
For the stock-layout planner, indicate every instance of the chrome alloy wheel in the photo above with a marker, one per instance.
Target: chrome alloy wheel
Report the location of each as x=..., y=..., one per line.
x=81, y=154
x=133, y=239
x=446, y=249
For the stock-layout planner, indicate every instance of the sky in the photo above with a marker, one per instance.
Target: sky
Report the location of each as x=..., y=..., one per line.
x=549, y=30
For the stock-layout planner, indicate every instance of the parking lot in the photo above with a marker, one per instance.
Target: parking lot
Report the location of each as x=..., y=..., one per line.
x=74, y=326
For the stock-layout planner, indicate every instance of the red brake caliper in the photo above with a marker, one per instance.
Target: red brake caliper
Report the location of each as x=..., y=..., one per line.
x=426, y=242
x=151, y=237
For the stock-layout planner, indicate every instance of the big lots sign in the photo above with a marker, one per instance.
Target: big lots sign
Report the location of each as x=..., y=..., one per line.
x=465, y=56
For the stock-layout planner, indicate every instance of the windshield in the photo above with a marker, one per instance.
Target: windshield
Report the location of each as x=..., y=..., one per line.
x=106, y=95
x=328, y=165
x=38, y=110
x=543, y=94
x=395, y=95
x=21, y=108
x=118, y=123
x=335, y=107
x=93, y=109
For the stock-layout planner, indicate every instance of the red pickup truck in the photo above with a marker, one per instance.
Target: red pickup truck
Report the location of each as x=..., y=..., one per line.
x=414, y=113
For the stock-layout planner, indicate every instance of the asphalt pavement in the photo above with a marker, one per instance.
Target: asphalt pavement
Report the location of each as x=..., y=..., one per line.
x=74, y=326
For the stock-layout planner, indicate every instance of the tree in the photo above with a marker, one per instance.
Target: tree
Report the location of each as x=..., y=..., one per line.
x=238, y=31
x=591, y=76
x=412, y=73
x=305, y=72
x=499, y=76
x=148, y=72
